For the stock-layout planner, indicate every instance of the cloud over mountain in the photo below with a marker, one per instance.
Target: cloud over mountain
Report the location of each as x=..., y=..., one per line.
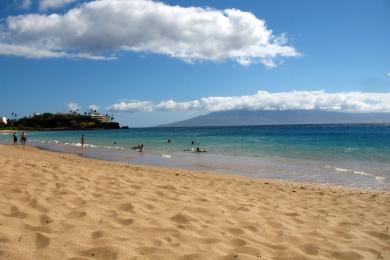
x=110, y=26
x=262, y=100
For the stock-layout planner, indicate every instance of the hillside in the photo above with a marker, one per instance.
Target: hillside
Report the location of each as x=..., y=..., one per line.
x=244, y=117
x=69, y=121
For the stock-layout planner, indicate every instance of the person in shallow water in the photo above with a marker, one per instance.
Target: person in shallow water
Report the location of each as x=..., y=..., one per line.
x=169, y=140
x=198, y=150
x=82, y=141
x=15, y=138
x=23, y=138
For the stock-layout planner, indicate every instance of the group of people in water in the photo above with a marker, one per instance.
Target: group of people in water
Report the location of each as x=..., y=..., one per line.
x=198, y=149
x=140, y=147
x=23, y=138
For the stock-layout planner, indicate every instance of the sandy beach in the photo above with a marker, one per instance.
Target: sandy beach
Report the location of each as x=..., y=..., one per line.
x=8, y=131
x=62, y=206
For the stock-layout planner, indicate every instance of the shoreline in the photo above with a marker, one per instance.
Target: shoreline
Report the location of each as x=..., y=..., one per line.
x=64, y=206
x=218, y=173
x=289, y=169
x=8, y=131
x=215, y=173
x=307, y=156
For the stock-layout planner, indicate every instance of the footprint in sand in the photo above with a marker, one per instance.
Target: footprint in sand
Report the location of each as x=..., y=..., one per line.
x=126, y=207
x=236, y=231
x=15, y=213
x=41, y=241
x=76, y=214
x=4, y=239
x=181, y=218
x=310, y=249
x=124, y=221
x=45, y=219
x=97, y=234
x=37, y=206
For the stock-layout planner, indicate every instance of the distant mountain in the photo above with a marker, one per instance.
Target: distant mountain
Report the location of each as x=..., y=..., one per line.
x=244, y=117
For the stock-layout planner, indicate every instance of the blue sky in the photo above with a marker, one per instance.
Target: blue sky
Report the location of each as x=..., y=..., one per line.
x=340, y=46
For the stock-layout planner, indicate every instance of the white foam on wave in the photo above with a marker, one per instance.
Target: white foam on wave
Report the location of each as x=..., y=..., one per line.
x=166, y=156
x=342, y=170
x=114, y=147
x=354, y=171
x=91, y=145
x=380, y=179
x=362, y=173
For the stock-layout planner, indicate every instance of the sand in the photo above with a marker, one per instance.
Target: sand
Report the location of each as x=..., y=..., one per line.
x=61, y=206
x=7, y=131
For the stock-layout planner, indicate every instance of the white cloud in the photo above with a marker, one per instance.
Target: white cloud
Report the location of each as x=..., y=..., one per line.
x=37, y=53
x=29, y=52
x=72, y=106
x=262, y=100
x=133, y=106
x=94, y=107
x=25, y=4
x=187, y=33
x=51, y=4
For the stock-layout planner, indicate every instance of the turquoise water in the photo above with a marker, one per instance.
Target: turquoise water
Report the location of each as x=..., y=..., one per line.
x=359, y=153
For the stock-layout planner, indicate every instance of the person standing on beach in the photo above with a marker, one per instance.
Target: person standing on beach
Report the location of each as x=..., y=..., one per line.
x=15, y=138
x=23, y=138
x=82, y=140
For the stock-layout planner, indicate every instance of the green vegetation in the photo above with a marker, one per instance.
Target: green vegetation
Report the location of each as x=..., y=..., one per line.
x=60, y=121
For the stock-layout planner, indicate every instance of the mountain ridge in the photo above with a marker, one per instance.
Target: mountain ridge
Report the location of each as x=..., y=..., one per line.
x=277, y=117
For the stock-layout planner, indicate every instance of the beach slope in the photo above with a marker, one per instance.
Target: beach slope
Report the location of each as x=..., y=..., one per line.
x=61, y=206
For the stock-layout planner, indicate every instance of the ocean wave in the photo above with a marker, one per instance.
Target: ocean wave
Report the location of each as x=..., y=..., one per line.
x=65, y=143
x=355, y=172
x=342, y=170
x=114, y=147
x=380, y=179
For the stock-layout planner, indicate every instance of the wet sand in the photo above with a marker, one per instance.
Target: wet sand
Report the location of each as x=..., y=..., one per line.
x=62, y=206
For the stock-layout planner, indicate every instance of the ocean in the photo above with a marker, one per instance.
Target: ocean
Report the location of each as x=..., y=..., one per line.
x=356, y=155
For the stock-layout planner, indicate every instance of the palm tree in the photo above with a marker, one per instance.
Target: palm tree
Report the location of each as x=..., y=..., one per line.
x=12, y=119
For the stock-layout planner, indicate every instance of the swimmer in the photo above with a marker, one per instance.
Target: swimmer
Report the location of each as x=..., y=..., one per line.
x=198, y=150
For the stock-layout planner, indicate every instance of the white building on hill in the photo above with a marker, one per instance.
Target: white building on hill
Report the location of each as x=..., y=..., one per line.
x=3, y=120
x=100, y=118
